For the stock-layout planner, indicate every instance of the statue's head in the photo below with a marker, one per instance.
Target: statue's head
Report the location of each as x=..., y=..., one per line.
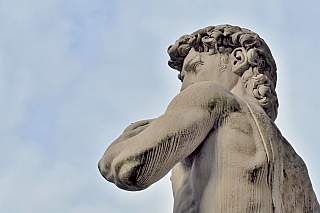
x=237, y=50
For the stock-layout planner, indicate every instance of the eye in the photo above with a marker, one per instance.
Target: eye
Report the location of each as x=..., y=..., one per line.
x=197, y=66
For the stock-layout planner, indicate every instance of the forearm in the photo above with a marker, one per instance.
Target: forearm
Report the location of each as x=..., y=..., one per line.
x=140, y=161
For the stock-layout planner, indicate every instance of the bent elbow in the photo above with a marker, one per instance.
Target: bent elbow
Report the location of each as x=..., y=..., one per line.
x=105, y=171
x=127, y=176
x=128, y=186
x=124, y=175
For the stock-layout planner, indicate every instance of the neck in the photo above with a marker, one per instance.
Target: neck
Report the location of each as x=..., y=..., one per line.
x=240, y=90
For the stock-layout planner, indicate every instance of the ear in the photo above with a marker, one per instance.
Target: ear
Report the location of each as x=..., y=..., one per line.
x=239, y=60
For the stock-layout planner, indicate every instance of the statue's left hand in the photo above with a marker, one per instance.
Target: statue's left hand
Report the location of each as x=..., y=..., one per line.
x=134, y=129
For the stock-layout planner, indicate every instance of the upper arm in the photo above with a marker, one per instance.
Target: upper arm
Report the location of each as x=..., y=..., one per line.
x=148, y=156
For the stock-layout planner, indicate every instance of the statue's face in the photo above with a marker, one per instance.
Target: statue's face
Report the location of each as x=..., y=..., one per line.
x=206, y=67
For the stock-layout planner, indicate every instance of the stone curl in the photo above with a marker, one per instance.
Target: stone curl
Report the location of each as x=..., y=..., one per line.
x=261, y=76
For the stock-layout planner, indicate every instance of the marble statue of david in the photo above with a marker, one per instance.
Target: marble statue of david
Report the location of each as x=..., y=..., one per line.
x=218, y=134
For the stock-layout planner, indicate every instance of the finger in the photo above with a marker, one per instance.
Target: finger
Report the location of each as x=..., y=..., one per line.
x=132, y=133
x=137, y=124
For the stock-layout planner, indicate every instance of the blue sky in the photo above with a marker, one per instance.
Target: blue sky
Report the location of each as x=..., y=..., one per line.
x=74, y=74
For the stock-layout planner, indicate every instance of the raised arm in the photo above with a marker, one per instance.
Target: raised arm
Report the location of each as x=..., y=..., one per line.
x=139, y=161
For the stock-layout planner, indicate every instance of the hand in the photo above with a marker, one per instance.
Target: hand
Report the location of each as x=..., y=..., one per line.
x=134, y=129
x=139, y=124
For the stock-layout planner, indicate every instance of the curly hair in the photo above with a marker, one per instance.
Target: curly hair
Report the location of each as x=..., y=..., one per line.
x=260, y=78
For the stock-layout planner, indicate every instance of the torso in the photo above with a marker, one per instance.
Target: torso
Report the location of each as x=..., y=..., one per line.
x=227, y=172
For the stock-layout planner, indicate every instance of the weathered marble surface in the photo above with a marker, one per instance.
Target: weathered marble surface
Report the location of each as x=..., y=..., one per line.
x=218, y=134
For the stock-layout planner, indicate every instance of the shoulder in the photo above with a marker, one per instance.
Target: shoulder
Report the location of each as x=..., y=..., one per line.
x=206, y=95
